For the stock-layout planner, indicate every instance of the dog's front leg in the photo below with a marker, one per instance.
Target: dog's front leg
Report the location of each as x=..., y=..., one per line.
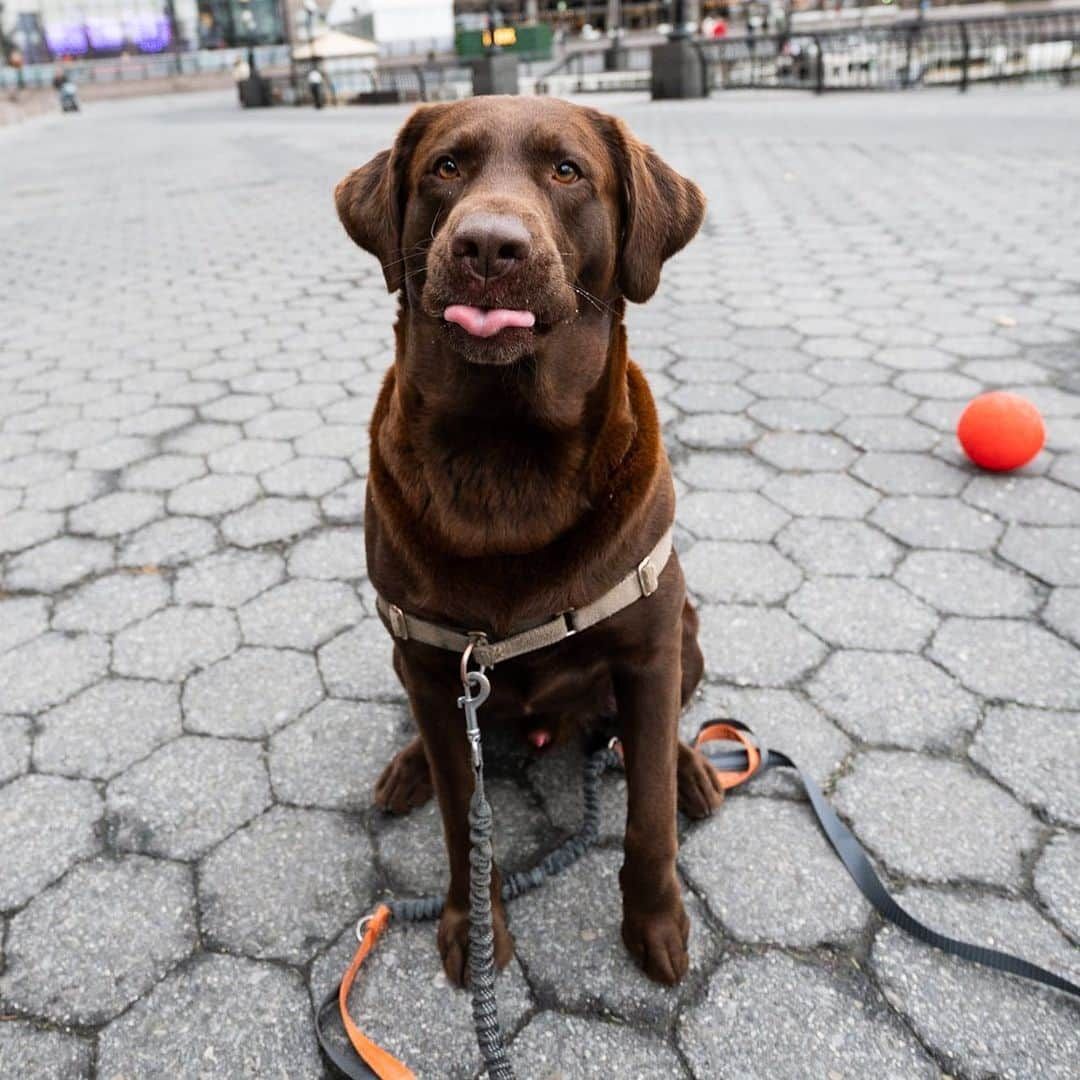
x=442, y=728
x=655, y=926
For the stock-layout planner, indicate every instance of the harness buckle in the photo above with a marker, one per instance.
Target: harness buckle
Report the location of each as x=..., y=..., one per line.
x=648, y=578
x=398, y=624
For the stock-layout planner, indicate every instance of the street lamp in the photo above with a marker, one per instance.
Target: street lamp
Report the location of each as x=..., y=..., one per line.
x=678, y=19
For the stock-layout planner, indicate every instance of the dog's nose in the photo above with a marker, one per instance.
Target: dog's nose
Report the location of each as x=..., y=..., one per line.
x=491, y=245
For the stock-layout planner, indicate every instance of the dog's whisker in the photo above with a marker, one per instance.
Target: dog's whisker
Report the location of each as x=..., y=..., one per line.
x=594, y=300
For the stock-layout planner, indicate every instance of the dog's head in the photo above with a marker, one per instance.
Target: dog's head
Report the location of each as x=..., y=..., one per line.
x=504, y=218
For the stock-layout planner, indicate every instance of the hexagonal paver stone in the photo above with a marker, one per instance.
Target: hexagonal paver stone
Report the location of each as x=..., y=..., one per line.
x=213, y=495
x=357, y=664
x=785, y=414
x=781, y=719
x=754, y=646
x=111, y=603
x=979, y=1022
x=251, y=694
x=1052, y=555
x=909, y=474
x=346, y=505
x=300, y=614
x=332, y=555
x=333, y=755
x=250, y=456
x=828, y=1016
x=282, y=886
x=84, y=950
x=732, y=515
x=887, y=433
x=575, y=1048
x=269, y=520
x=28, y=1051
x=187, y=796
x=822, y=495
x=1055, y=881
x=14, y=747
x=306, y=476
x=403, y=1001
x=1010, y=659
x=724, y=471
x=963, y=584
x=54, y=565
x=1034, y=753
x=741, y=861
x=162, y=473
x=229, y=579
x=106, y=728
x=210, y=1018
x=49, y=669
x=894, y=699
x=866, y=613
x=935, y=820
x=24, y=528
x=824, y=546
x=171, y=542
x=175, y=642
x=711, y=397
x=937, y=523
x=1032, y=500
x=413, y=853
x=735, y=572
x=46, y=824
x=716, y=431
x=117, y=513
x=568, y=935
x=21, y=619
x=805, y=452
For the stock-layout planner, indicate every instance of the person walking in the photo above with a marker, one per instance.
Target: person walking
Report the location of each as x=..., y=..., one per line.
x=316, y=85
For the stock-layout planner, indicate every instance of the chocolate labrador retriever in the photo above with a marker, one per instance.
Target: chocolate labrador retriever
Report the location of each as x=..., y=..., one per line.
x=517, y=469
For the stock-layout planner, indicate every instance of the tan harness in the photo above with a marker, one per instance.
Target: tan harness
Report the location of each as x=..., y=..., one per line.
x=642, y=581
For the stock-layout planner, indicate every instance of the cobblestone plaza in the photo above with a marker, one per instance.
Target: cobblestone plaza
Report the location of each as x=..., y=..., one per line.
x=196, y=695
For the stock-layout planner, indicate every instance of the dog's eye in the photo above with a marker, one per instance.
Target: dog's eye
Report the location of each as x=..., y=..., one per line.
x=446, y=169
x=566, y=172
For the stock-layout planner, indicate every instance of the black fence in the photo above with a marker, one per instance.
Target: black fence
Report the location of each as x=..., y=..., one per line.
x=902, y=56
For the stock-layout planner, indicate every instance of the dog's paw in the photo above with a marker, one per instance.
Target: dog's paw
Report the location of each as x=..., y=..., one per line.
x=657, y=942
x=454, y=943
x=700, y=792
x=405, y=783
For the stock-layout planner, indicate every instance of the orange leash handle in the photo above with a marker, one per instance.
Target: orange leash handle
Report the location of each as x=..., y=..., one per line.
x=383, y=1064
x=727, y=733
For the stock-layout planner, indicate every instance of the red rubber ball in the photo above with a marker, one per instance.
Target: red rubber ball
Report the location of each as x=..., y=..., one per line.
x=1001, y=431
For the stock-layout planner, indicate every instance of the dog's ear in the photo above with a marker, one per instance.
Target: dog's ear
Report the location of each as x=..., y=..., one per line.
x=661, y=211
x=371, y=200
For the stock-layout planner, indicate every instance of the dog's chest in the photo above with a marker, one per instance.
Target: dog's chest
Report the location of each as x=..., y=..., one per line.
x=563, y=685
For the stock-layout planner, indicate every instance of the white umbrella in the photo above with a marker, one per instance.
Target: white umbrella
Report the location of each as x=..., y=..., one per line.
x=333, y=45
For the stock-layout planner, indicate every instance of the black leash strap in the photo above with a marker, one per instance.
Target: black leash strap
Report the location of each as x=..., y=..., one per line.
x=863, y=874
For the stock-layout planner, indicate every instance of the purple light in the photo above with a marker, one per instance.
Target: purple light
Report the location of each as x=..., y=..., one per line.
x=105, y=34
x=150, y=32
x=65, y=39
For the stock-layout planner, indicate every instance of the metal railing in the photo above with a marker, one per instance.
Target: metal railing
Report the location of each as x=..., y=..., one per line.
x=144, y=66
x=362, y=84
x=953, y=52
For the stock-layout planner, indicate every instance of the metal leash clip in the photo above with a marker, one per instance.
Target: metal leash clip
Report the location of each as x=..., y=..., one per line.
x=471, y=704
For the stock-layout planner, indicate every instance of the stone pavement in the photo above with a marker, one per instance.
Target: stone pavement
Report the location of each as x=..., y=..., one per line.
x=195, y=694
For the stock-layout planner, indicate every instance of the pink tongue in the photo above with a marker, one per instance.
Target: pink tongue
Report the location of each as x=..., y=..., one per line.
x=481, y=322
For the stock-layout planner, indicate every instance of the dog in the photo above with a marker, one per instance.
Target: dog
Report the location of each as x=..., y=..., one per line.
x=517, y=469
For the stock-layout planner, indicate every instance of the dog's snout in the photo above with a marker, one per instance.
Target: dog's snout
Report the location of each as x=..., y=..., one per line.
x=491, y=245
